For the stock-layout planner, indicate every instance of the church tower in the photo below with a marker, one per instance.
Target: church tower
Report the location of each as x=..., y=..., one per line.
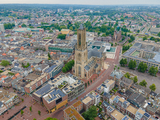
x=81, y=53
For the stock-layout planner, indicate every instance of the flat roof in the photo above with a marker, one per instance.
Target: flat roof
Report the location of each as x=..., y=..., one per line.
x=76, y=104
x=73, y=114
x=36, y=80
x=43, y=90
x=53, y=95
x=87, y=99
x=141, y=111
x=132, y=109
x=117, y=115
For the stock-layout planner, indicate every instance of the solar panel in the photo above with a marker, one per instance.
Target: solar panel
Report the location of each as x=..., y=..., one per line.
x=147, y=115
x=125, y=118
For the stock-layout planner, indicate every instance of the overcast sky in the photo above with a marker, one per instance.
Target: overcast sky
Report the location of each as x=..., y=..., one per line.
x=91, y=2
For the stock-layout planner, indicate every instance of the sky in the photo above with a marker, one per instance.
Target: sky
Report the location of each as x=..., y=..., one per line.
x=88, y=2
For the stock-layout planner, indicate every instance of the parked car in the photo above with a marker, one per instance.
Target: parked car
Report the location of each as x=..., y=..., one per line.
x=157, y=118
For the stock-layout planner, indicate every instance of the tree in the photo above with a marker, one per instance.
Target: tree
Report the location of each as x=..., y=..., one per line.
x=68, y=66
x=34, y=119
x=49, y=118
x=30, y=108
x=91, y=113
x=9, y=25
x=152, y=87
x=39, y=112
x=123, y=62
x=143, y=83
x=5, y=63
x=153, y=70
x=158, y=34
x=132, y=64
x=127, y=75
x=135, y=79
x=64, y=70
x=22, y=112
x=61, y=36
x=142, y=67
x=51, y=31
x=123, y=38
x=144, y=38
x=49, y=56
x=24, y=25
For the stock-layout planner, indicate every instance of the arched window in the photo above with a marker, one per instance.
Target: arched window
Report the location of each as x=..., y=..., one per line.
x=79, y=56
x=79, y=39
x=79, y=70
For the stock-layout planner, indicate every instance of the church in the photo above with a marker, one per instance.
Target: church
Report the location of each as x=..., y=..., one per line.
x=117, y=35
x=87, y=62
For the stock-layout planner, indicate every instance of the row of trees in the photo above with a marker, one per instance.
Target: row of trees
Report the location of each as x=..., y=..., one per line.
x=135, y=79
x=68, y=66
x=61, y=36
x=9, y=25
x=142, y=83
x=142, y=67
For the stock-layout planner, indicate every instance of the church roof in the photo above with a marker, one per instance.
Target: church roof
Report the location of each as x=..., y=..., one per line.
x=94, y=53
x=89, y=65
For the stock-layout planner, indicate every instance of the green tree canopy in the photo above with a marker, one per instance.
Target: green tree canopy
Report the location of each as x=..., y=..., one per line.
x=49, y=118
x=91, y=113
x=143, y=83
x=135, y=79
x=144, y=38
x=22, y=112
x=153, y=70
x=127, y=75
x=68, y=66
x=39, y=112
x=142, y=67
x=9, y=25
x=123, y=62
x=132, y=64
x=5, y=63
x=24, y=25
x=51, y=31
x=61, y=36
x=152, y=87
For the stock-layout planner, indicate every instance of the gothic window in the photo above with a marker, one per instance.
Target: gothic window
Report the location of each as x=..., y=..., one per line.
x=79, y=70
x=79, y=56
x=79, y=39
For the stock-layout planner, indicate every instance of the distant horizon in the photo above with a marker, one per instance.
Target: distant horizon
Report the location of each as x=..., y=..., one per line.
x=84, y=2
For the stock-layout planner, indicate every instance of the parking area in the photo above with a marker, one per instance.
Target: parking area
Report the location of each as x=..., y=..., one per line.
x=145, y=76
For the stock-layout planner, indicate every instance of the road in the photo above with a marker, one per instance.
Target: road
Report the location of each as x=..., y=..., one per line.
x=59, y=113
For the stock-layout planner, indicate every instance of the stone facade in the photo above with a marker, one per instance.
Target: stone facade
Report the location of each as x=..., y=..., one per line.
x=86, y=63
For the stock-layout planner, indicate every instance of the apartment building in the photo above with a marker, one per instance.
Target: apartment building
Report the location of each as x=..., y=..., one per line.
x=54, y=100
x=106, y=86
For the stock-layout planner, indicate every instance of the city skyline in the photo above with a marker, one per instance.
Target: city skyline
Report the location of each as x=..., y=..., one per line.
x=84, y=2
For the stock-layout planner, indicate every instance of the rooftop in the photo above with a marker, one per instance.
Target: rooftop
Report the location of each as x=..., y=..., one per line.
x=53, y=95
x=76, y=104
x=132, y=109
x=73, y=114
x=87, y=99
x=117, y=115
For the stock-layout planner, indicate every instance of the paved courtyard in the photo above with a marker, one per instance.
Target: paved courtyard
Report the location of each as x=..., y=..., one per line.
x=141, y=76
